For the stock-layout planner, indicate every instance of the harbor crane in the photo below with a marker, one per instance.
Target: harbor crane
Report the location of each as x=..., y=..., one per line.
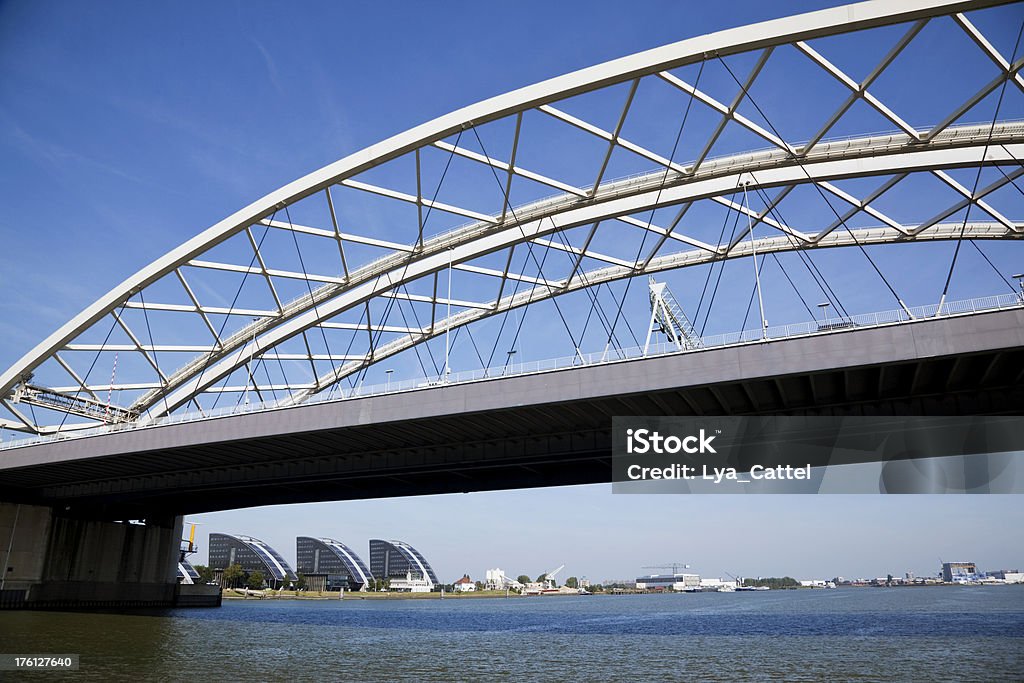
x=674, y=566
x=186, y=571
x=549, y=578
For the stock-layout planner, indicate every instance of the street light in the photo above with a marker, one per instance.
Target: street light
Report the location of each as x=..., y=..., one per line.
x=1019, y=277
x=388, y=373
x=824, y=309
x=746, y=182
x=248, y=365
x=508, y=359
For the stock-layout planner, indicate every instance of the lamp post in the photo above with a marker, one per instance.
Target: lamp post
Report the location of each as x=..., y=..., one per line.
x=824, y=310
x=508, y=359
x=448, y=324
x=753, y=254
x=248, y=366
x=1019, y=277
x=388, y=386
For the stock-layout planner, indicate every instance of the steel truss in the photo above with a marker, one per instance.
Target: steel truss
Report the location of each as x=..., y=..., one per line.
x=281, y=330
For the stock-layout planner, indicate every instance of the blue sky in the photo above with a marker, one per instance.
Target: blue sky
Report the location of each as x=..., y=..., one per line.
x=126, y=129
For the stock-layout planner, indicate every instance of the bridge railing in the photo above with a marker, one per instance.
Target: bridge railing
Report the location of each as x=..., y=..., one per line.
x=827, y=325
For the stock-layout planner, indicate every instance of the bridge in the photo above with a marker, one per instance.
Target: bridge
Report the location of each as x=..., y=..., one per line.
x=254, y=364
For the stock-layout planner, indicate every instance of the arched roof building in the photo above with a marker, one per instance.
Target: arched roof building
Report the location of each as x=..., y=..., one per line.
x=340, y=563
x=252, y=555
x=395, y=559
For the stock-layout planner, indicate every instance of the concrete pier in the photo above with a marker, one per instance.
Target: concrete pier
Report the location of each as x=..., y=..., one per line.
x=53, y=559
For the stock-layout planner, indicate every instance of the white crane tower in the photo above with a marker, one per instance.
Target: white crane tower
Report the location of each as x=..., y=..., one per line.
x=549, y=578
x=667, y=317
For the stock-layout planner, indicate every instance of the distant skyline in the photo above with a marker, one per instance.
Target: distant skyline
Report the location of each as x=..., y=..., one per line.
x=127, y=128
x=602, y=535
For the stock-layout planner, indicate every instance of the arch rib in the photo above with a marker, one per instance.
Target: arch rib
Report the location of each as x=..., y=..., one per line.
x=476, y=241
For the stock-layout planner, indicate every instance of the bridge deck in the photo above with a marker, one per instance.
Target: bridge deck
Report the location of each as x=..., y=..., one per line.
x=530, y=430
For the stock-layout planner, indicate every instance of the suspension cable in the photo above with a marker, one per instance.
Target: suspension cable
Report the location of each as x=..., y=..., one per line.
x=223, y=324
x=156, y=359
x=717, y=261
x=309, y=288
x=805, y=258
x=822, y=195
x=657, y=198
x=977, y=176
x=361, y=373
x=529, y=243
x=721, y=269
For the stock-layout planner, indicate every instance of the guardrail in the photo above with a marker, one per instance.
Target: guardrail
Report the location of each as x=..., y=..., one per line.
x=828, y=325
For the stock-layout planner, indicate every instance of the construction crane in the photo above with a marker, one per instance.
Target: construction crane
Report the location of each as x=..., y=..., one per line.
x=186, y=572
x=667, y=317
x=191, y=539
x=549, y=578
x=674, y=566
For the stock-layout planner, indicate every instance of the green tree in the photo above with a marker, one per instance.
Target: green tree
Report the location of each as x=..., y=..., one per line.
x=205, y=573
x=572, y=582
x=541, y=577
x=256, y=580
x=301, y=582
x=232, y=575
x=773, y=582
x=523, y=579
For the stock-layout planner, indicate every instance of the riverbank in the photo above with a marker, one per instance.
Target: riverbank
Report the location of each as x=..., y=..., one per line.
x=242, y=594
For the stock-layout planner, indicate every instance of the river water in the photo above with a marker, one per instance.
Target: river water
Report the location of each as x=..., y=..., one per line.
x=901, y=634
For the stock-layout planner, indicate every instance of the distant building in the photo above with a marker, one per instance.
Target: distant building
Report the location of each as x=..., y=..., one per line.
x=675, y=582
x=330, y=565
x=465, y=584
x=495, y=580
x=959, y=572
x=252, y=555
x=1008, y=575
x=410, y=584
x=398, y=561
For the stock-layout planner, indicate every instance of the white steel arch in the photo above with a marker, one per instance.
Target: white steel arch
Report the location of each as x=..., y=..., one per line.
x=937, y=151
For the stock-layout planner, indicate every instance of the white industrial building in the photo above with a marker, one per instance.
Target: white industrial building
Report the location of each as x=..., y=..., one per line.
x=675, y=582
x=410, y=585
x=720, y=585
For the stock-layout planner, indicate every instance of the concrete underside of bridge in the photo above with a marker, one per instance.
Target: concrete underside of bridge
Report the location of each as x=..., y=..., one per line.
x=545, y=429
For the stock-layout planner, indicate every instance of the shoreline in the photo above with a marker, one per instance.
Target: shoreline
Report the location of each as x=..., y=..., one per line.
x=236, y=594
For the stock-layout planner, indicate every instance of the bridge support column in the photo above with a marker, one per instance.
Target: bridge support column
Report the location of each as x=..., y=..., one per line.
x=56, y=560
